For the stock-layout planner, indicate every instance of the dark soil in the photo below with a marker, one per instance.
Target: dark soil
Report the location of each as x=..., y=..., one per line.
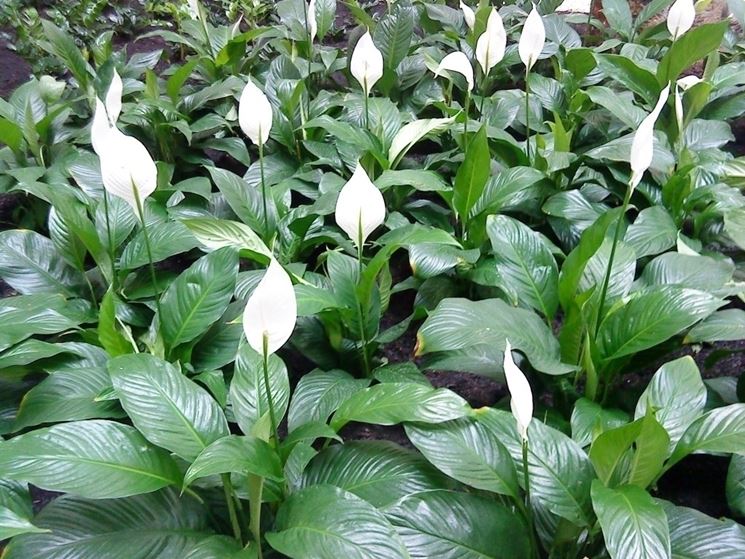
x=14, y=70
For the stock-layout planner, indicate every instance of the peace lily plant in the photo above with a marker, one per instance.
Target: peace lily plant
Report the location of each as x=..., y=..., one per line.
x=321, y=279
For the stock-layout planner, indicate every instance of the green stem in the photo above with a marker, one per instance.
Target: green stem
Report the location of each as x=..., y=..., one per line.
x=146, y=237
x=263, y=192
x=465, y=120
x=367, y=108
x=360, y=312
x=255, y=490
x=528, y=506
x=230, y=500
x=267, y=387
x=110, y=239
x=527, y=114
x=310, y=53
x=609, y=270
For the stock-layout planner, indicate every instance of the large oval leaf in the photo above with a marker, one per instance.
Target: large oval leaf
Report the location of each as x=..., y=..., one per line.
x=198, y=297
x=633, y=524
x=143, y=527
x=379, y=472
x=694, y=535
x=720, y=430
x=319, y=394
x=325, y=522
x=450, y=525
x=92, y=459
x=469, y=452
x=165, y=406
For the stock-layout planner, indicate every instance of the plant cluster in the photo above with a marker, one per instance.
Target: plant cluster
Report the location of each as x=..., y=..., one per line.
x=209, y=276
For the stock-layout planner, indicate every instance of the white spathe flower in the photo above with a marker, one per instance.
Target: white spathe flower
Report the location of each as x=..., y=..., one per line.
x=457, y=62
x=492, y=43
x=366, y=63
x=312, y=22
x=360, y=208
x=687, y=82
x=468, y=15
x=680, y=17
x=127, y=170
x=532, y=39
x=113, y=101
x=193, y=8
x=521, y=396
x=100, y=127
x=575, y=6
x=271, y=311
x=642, y=146
x=255, y=114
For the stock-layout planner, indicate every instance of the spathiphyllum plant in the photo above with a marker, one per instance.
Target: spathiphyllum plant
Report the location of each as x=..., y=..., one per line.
x=383, y=280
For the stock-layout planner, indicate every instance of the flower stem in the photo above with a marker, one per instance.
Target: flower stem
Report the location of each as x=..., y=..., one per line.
x=146, y=237
x=367, y=111
x=528, y=506
x=527, y=114
x=360, y=312
x=263, y=192
x=255, y=491
x=609, y=269
x=110, y=239
x=267, y=387
x=230, y=500
x=465, y=120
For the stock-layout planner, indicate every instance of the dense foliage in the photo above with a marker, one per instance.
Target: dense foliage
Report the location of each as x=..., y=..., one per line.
x=209, y=266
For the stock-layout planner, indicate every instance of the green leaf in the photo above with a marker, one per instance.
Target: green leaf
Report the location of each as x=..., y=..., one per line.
x=166, y=407
x=694, y=535
x=425, y=523
x=92, y=459
x=391, y=403
x=652, y=316
x=460, y=324
x=63, y=46
x=720, y=430
x=472, y=175
x=688, y=270
x=736, y=485
x=627, y=73
x=618, y=14
x=633, y=524
x=198, y=297
x=379, y=472
x=166, y=239
x=560, y=472
x=419, y=179
x=721, y=326
x=143, y=527
x=15, y=510
x=525, y=263
x=393, y=35
x=325, y=15
x=688, y=49
x=234, y=454
x=26, y=315
x=412, y=133
x=214, y=234
x=507, y=189
x=653, y=232
x=677, y=395
x=67, y=396
x=468, y=452
x=31, y=264
x=610, y=453
x=319, y=394
x=589, y=420
x=307, y=525
x=248, y=392
x=651, y=449
x=108, y=334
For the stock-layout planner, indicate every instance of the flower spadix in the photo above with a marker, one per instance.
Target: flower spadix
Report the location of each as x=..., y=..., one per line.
x=366, y=64
x=532, y=39
x=642, y=146
x=255, y=114
x=312, y=22
x=521, y=396
x=271, y=311
x=680, y=17
x=360, y=208
x=490, y=46
x=468, y=15
x=457, y=62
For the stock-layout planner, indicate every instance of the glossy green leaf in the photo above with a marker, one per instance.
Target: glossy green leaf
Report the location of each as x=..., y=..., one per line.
x=393, y=35
x=450, y=525
x=307, y=526
x=691, y=47
x=469, y=452
x=112, y=340
x=319, y=394
x=721, y=326
x=736, y=484
x=166, y=407
x=694, y=535
x=652, y=232
x=472, y=175
x=380, y=472
x=15, y=510
x=214, y=234
x=166, y=239
x=633, y=524
x=590, y=419
x=92, y=459
x=720, y=430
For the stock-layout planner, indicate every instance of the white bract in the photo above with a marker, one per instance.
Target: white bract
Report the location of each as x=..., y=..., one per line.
x=468, y=15
x=271, y=311
x=457, y=62
x=312, y=22
x=532, y=39
x=681, y=86
x=642, y=146
x=360, y=208
x=521, y=396
x=680, y=17
x=255, y=114
x=366, y=64
x=113, y=100
x=575, y=6
x=193, y=8
x=492, y=43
